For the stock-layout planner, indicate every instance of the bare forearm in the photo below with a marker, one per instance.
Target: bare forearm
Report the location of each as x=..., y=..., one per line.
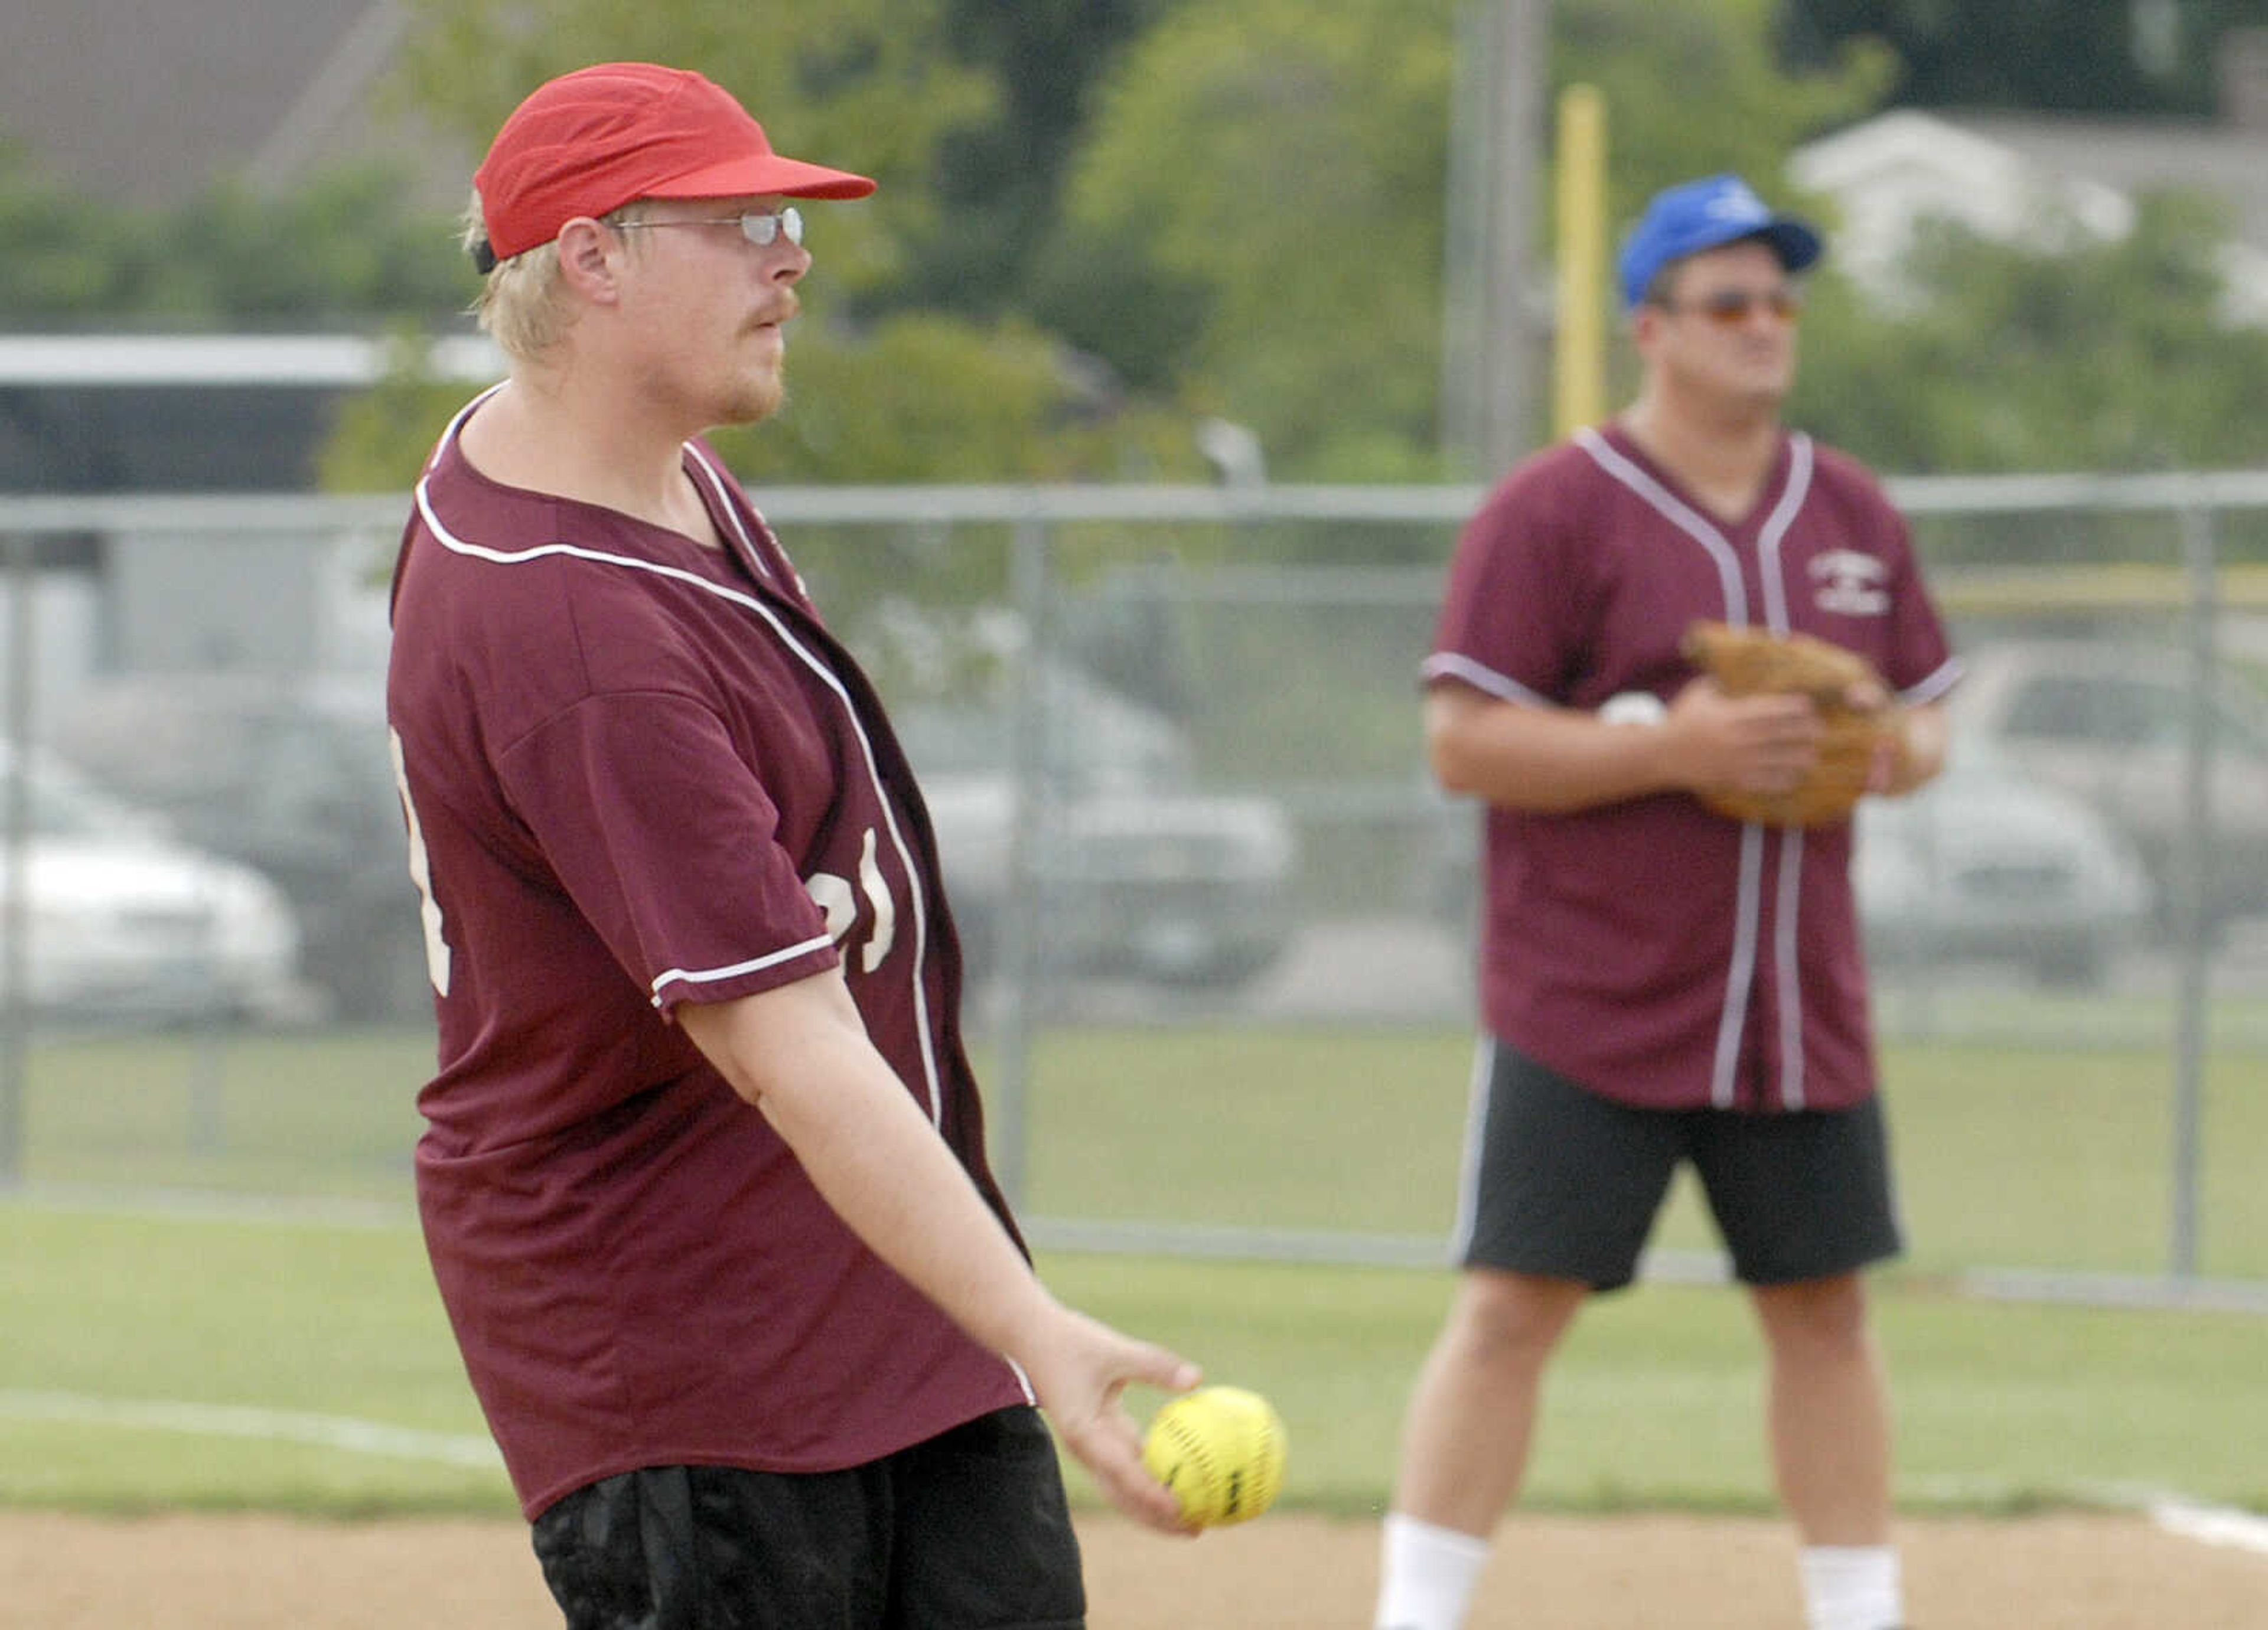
x=801, y=1055
x=1555, y=760
x=887, y=1173
x=1925, y=741
x=1549, y=760
x=867, y=1148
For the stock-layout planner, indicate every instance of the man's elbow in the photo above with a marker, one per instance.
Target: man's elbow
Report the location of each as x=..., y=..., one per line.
x=1450, y=754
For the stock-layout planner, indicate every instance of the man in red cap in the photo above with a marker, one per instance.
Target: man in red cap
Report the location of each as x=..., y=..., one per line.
x=703, y=1179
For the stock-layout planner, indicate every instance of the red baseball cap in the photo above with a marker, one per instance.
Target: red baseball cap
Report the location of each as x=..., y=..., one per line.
x=595, y=139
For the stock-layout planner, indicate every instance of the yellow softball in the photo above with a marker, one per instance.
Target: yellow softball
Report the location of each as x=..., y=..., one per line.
x=1220, y=1449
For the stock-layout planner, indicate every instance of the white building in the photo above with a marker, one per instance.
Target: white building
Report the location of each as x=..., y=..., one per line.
x=2022, y=177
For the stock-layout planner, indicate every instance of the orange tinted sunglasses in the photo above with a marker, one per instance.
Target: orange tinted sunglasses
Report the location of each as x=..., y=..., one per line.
x=1728, y=308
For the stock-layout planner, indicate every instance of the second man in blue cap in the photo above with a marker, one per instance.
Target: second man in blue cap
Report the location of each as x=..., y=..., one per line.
x=1662, y=984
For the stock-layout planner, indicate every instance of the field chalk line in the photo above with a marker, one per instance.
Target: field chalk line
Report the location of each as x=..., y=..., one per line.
x=362, y=1437
x=2211, y=1525
x=2175, y=1514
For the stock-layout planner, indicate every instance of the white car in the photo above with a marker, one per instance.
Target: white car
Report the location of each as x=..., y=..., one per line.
x=122, y=921
x=2108, y=722
x=1988, y=862
x=1139, y=873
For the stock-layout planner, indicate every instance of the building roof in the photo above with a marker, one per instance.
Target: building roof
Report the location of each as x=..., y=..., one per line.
x=2138, y=156
x=190, y=413
x=144, y=103
x=321, y=361
x=2023, y=176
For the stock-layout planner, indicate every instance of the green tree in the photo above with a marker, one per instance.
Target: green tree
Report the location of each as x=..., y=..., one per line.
x=996, y=399
x=342, y=249
x=67, y=254
x=870, y=85
x=919, y=396
x=1694, y=89
x=380, y=437
x=999, y=180
x=890, y=381
x=1277, y=166
x=1269, y=182
x=1997, y=357
x=2108, y=56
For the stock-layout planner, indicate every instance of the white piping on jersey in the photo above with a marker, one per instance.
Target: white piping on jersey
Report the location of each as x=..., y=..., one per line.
x=1679, y=514
x=1775, y=530
x=1946, y=675
x=702, y=975
x=1468, y=1165
x=1449, y=665
x=1748, y=905
x=1784, y=954
x=1031, y=1394
x=1748, y=913
x=459, y=546
x=1784, y=967
x=449, y=436
x=716, y=482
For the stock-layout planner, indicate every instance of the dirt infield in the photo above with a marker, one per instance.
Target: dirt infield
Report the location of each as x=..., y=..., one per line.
x=1289, y=1572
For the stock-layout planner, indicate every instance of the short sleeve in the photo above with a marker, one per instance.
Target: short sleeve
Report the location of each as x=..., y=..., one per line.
x=1500, y=631
x=1922, y=666
x=668, y=843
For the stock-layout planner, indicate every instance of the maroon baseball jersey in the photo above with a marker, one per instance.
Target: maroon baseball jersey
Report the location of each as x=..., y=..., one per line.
x=638, y=772
x=1657, y=952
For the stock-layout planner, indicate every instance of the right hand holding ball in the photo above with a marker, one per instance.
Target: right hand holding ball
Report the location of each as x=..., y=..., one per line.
x=1220, y=1449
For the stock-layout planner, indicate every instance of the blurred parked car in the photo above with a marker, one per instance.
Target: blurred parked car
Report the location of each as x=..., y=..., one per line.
x=1987, y=863
x=2107, y=721
x=1983, y=863
x=291, y=775
x=123, y=921
x=1140, y=873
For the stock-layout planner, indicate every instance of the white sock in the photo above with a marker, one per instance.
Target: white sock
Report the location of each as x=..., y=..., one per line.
x=1852, y=1587
x=1426, y=1574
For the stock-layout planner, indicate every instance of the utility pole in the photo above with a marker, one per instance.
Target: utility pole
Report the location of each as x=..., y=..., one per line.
x=1518, y=40
x=1489, y=344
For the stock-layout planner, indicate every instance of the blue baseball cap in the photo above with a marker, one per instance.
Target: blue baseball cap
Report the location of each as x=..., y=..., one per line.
x=1706, y=214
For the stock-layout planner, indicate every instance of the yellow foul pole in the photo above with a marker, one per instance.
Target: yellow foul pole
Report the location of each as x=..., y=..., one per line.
x=1579, y=354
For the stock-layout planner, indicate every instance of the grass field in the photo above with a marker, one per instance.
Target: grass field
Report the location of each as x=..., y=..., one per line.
x=209, y=1362
x=2009, y=1156
x=161, y=1354
x=2013, y=1155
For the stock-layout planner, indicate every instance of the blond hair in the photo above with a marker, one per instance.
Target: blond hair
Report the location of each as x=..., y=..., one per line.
x=521, y=301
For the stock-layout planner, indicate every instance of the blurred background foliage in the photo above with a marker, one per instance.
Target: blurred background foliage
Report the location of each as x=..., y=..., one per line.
x=1105, y=222
x=2110, y=56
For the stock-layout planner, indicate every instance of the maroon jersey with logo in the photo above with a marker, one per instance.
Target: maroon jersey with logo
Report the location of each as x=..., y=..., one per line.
x=1652, y=949
x=637, y=772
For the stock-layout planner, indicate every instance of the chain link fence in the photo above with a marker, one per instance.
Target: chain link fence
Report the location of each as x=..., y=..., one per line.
x=1221, y=922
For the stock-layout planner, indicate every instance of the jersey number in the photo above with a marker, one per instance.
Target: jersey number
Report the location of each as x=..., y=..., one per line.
x=420, y=872
x=833, y=896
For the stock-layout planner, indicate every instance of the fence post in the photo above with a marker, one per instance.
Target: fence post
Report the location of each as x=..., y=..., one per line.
x=1020, y=963
x=15, y=864
x=2193, y=916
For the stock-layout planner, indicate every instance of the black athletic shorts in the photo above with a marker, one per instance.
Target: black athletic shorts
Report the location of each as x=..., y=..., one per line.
x=968, y=1530
x=1564, y=1182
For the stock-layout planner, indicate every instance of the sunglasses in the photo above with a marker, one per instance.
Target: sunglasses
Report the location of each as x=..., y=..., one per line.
x=1728, y=308
x=762, y=227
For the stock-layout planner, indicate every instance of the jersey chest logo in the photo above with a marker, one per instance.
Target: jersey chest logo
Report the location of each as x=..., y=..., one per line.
x=1849, y=583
